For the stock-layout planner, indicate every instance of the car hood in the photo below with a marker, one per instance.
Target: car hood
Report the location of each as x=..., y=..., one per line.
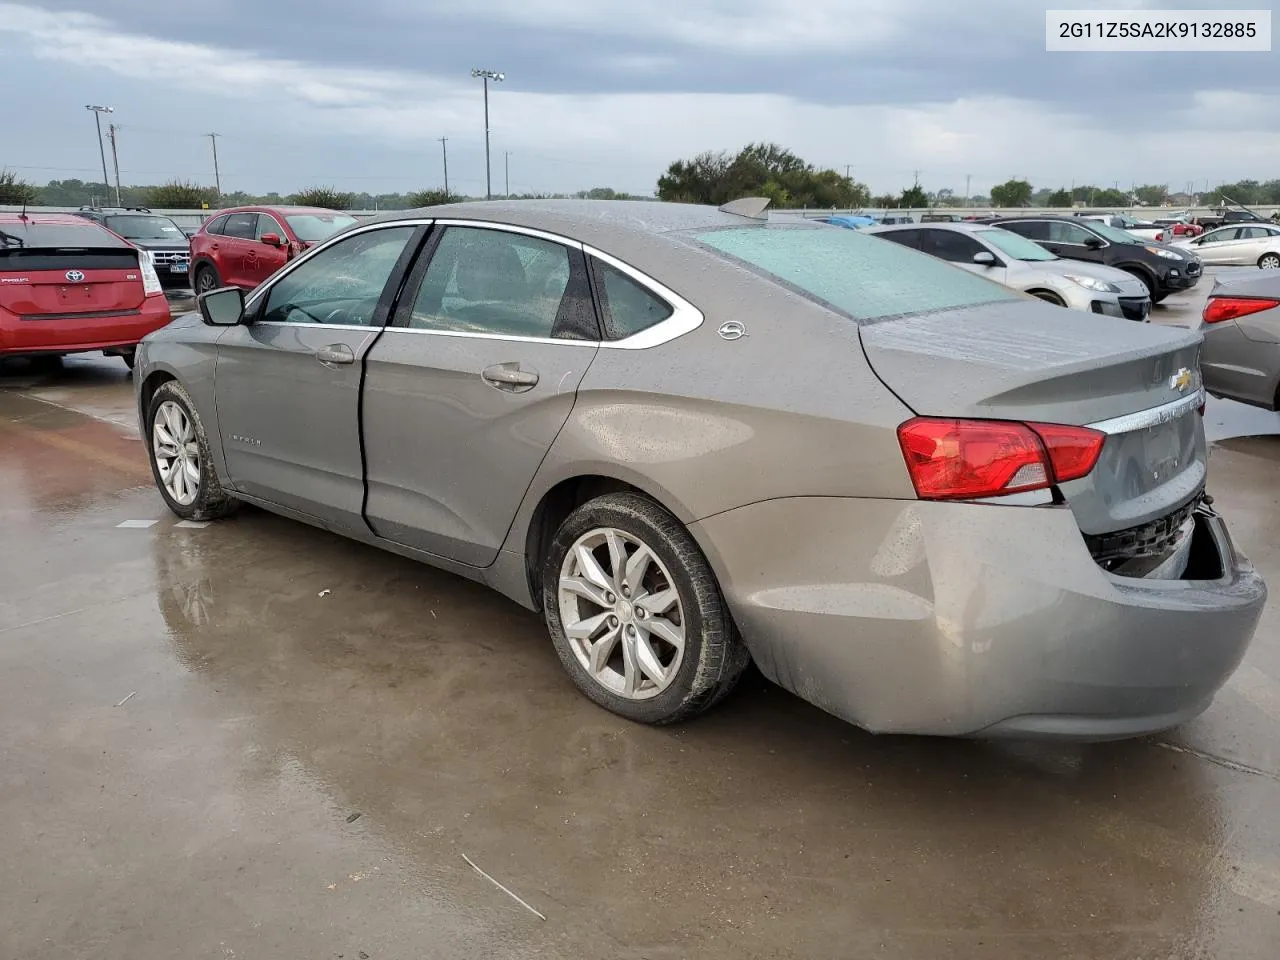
x=1129, y=285
x=161, y=244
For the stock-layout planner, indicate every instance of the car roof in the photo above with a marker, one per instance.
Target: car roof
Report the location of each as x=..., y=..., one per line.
x=615, y=226
x=955, y=226
x=283, y=209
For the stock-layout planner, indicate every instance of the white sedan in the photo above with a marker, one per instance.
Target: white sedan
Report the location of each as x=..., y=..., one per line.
x=1237, y=245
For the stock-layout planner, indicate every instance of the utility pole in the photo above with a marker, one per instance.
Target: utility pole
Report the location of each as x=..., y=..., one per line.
x=497, y=77
x=444, y=153
x=115, y=158
x=968, y=178
x=98, y=111
x=506, y=170
x=847, y=167
x=217, y=178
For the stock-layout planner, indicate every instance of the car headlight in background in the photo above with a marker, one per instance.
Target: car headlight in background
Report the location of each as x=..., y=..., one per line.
x=1089, y=283
x=1167, y=254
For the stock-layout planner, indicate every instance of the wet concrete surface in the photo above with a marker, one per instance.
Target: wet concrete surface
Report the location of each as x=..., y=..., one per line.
x=188, y=729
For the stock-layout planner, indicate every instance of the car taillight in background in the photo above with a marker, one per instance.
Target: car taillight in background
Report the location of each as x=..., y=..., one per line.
x=150, y=279
x=966, y=459
x=1219, y=309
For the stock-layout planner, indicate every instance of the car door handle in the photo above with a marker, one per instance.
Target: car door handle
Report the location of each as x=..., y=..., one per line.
x=335, y=353
x=509, y=376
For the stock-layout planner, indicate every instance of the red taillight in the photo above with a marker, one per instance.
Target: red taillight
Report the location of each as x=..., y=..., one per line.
x=966, y=459
x=1159, y=237
x=1228, y=308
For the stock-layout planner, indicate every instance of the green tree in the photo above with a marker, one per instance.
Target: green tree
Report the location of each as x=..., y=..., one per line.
x=1243, y=191
x=1110, y=198
x=885, y=201
x=1151, y=194
x=325, y=197
x=1058, y=198
x=429, y=198
x=914, y=198
x=15, y=190
x=1011, y=193
x=759, y=169
x=180, y=195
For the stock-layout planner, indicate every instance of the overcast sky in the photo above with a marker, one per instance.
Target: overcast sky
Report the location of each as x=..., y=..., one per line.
x=356, y=93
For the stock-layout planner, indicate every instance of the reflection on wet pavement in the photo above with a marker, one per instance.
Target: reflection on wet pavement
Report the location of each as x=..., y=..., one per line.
x=211, y=812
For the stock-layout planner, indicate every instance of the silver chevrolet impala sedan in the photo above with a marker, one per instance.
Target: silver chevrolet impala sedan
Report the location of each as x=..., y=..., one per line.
x=694, y=438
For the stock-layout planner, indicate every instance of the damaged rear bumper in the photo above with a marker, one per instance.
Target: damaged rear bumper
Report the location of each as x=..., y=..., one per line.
x=978, y=619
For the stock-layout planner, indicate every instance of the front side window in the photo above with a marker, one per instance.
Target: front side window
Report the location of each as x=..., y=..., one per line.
x=1019, y=248
x=851, y=271
x=342, y=283
x=491, y=281
x=1062, y=232
x=628, y=307
x=951, y=246
x=907, y=238
x=267, y=224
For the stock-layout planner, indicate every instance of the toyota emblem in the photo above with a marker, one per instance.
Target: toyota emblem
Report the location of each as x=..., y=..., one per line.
x=74, y=276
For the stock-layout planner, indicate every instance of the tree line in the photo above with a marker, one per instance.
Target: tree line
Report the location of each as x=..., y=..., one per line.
x=183, y=195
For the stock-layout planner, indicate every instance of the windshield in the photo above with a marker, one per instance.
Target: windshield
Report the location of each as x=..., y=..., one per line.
x=137, y=227
x=863, y=276
x=1020, y=248
x=311, y=227
x=1113, y=234
x=56, y=236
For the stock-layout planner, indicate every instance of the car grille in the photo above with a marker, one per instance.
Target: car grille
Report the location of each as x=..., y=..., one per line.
x=1148, y=540
x=1135, y=308
x=167, y=258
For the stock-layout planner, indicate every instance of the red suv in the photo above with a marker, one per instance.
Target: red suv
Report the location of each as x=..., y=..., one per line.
x=243, y=246
x=68, y=285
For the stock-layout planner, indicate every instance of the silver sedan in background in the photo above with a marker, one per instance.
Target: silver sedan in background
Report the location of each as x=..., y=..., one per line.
x=692, y=438
x=1237, y=244
x=1021, y=264
x=1241, y=329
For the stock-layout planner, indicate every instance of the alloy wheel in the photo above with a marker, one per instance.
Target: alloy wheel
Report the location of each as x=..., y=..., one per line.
x=205, y=281
x=177, y=454
x=1270, y=262
x=622, y=613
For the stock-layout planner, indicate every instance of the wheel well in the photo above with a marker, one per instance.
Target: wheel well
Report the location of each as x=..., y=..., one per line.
x=149, y=388
x=552, y=510
x=1046, y=294
x=1269, y=253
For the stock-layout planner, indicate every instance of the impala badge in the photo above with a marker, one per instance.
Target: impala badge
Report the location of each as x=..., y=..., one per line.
x=732, y=330
x=1181, y=380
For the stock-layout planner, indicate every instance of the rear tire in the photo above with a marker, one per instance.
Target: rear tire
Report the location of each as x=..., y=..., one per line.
x=178, y=449
x=206, y=278
x=1269, y=261
x=617, y=647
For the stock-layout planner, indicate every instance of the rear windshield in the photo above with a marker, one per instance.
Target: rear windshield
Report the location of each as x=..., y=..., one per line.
x=863, y=276
x=55, y=236
x=311, y=227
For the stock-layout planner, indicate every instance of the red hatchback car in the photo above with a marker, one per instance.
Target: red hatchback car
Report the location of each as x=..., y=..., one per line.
x=68, y=285
x=243, y=246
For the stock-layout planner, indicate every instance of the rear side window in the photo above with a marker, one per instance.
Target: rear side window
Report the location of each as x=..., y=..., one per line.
x=857, y=274
x=950, y=245
x=907, y=238
x=494, y=282
x=628, y=307
x=1063, y=232
x=243, y=225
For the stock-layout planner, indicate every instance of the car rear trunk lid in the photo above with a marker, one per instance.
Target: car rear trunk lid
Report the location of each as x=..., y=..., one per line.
x=1028, y=361
x=45, y=285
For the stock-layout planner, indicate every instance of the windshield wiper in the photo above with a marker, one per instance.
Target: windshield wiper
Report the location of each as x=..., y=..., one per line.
x=9, y=240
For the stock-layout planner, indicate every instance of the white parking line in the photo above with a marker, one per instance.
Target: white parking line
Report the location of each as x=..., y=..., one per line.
x=192, y=524
x=135, y=524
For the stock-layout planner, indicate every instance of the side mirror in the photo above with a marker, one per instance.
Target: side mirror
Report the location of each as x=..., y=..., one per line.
x=222, y=307
x=1093, y=243
x=985, y=258
x=272, y=240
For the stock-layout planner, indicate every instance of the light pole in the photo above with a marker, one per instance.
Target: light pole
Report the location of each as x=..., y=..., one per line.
x=496, y=77
x=506, y=170
x=102, y=151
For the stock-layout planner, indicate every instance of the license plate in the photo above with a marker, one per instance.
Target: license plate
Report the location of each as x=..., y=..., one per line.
x=178, y=268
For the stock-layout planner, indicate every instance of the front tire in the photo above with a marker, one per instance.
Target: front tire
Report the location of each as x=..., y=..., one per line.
x=1149, y=282
x=1269, y=261
x=635, y=612
x=180, y=459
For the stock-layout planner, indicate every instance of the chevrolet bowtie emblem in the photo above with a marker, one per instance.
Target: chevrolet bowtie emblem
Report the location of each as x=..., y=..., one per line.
x=1180, y=380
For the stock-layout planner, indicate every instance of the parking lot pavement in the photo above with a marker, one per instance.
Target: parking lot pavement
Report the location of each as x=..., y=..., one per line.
x=253, y=738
